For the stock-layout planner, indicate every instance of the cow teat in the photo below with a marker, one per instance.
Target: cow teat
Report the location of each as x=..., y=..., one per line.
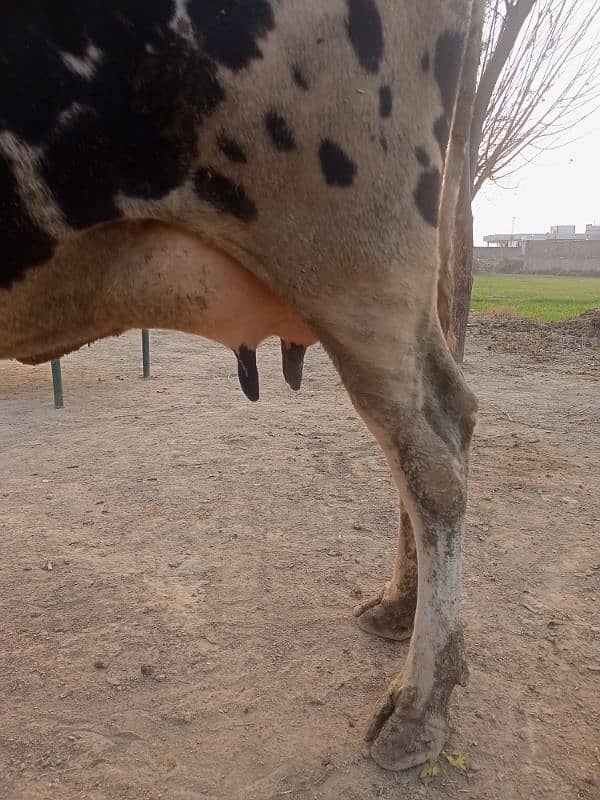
x=292, y=358
x=248, y=372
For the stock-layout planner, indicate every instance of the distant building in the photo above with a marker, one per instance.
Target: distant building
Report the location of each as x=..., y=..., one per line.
x=513, y=239
x=561, y=251
x=556, y=232
x=592, y=233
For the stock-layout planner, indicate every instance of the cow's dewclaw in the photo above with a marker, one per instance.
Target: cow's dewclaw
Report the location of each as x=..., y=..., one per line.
x=394, y=622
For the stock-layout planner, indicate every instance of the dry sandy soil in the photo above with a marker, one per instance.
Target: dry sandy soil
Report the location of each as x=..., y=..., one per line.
x=194, y=637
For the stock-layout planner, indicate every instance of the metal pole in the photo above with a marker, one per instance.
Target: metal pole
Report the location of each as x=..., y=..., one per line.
x=146, y=353
x=57, y=384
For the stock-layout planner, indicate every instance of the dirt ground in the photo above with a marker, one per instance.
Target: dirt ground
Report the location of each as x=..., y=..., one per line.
x=194, y=638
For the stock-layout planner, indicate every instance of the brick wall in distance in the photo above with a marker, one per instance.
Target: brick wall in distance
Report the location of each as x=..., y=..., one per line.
x=550, y=257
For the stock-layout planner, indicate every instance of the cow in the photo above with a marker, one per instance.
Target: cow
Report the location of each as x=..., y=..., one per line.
x=241, y=169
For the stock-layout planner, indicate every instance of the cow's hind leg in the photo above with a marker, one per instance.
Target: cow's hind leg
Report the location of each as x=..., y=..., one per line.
x=390, y=613
x=416, y=404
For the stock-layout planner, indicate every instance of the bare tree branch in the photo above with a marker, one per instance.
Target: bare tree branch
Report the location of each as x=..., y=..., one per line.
x=501, y=34
x=539, y=78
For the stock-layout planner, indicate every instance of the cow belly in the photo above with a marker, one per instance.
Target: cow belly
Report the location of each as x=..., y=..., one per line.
x=140, y=275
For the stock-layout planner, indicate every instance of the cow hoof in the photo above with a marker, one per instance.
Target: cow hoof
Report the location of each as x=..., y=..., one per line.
x=380, y=620
x=401, y=738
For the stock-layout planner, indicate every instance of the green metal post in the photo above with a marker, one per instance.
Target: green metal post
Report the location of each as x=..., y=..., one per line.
x=57, y=384
x=146, y=353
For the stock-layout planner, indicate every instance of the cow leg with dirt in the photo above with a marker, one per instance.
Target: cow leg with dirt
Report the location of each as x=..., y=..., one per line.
x=390, y=612
x=405, y=385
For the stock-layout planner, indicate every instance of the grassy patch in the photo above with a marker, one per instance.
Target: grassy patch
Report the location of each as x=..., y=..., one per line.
x=550, y=298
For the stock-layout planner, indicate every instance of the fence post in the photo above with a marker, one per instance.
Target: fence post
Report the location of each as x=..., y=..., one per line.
x=146, y=353
x=57, y=383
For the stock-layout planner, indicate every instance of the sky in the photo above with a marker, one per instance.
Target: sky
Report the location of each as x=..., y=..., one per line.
x=561, y=187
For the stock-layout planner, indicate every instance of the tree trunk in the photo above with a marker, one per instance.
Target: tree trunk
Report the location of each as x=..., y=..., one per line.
x=462, y=255
x=516, y=15
x=462, y=277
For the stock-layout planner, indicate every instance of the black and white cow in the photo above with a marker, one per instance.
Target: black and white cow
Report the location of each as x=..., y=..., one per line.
x=246, y=168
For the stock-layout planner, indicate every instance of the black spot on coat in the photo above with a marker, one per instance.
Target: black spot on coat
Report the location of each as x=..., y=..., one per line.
x=366, y=33
x=448, y=59
x=131, y=127
x=229, y=30
x=425, y=61
x=422, y=156
x=224, y=194
x=337, y=167
x=385, y=102
x=82, y=167
x=427, y=195
x=35, y=86
x=231, y=149
x=23, y=243
x=279, y=131
x=137, y=131
x=300, y=78
x=35, y=83
x=441, y=130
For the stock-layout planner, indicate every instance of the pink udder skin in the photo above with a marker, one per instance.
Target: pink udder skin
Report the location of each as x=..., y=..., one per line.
x=180, y=282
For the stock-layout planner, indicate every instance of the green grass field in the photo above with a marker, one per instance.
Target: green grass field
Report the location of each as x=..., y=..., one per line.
x=549, y=298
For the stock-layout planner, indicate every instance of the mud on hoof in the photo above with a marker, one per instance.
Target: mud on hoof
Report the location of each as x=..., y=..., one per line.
x=400, y=737
x=388, y=622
